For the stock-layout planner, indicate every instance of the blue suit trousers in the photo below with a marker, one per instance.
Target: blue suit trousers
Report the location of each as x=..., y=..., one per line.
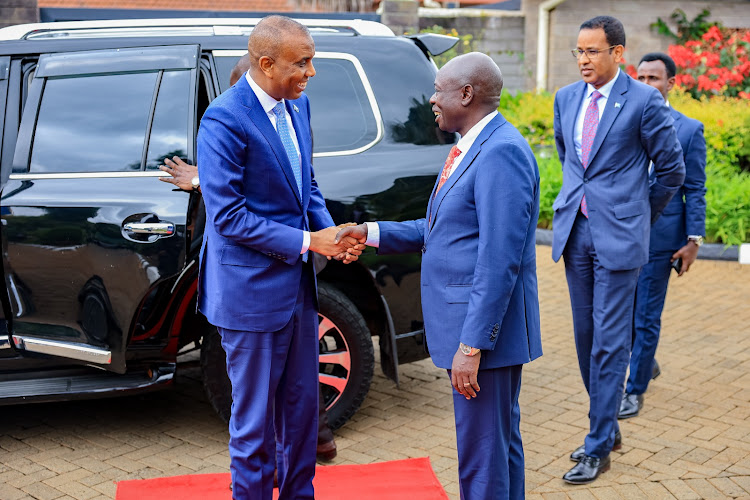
x=649, y=304
x=488, y=435
x=602, y=303
x=274, y=418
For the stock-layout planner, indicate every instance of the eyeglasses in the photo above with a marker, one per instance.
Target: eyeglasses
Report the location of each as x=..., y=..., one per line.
x=590, y=53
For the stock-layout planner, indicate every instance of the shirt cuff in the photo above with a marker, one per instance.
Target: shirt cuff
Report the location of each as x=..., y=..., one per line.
x=305, y=241
x=373, y=234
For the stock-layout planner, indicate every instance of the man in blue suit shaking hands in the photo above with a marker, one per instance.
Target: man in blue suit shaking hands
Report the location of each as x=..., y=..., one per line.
x=257, y=282
x=676, y=236
x=479, y=287
x=608, y=127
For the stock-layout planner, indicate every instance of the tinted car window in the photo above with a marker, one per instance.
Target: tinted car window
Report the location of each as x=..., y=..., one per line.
x=92, y=123
x=169, y=131
x=224, y=65
x=342, y=118
x=341, y=114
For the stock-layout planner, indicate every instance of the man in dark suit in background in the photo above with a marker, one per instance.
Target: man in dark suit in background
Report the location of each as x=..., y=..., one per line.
x=257, y=282
x=675, y=236
x=607, y=129
x=479, y=286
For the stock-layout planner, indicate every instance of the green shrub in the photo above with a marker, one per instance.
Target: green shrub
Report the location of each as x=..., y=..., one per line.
x=727, y=132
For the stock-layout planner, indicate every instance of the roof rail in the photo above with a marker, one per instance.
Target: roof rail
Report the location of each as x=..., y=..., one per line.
x=179, y=27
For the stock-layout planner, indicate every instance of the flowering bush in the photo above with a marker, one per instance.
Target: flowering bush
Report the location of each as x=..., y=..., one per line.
x=715, y=64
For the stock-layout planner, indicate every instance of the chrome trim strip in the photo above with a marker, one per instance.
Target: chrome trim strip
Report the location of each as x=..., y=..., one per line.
x=4, y=343
x=365, y=82
x=111, y=28
x=86, y=175
x=70, y=350
x=16, y=295
x=179, y=278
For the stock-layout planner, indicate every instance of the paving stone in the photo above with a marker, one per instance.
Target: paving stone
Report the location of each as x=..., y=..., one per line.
x=692, y=439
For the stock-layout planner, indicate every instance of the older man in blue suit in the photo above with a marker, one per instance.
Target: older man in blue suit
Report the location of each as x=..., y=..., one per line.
x=676, y=236
x=608, y=128
x=257, y=282
x=479, y=288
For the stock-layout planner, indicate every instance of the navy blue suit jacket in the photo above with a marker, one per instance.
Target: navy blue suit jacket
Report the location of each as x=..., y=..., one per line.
x=686, y=213
x=479, y=281
x=250, y=263
x=635, y=127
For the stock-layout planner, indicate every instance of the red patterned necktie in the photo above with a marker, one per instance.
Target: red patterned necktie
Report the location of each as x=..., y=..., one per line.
x=590, y=124
x=454, y=153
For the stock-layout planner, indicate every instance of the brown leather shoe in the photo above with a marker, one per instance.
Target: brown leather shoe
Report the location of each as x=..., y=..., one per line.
x=326, y=451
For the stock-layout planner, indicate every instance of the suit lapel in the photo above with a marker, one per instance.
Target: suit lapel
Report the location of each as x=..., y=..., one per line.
x=676, y=115
x=615, y=103
x=468, y=159
x=259, y=117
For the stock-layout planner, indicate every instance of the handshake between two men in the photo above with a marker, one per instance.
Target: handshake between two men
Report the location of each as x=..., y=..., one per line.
x=344, y=242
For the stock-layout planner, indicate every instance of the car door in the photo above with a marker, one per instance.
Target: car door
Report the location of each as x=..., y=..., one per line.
x=90, y=236
x=5, y=344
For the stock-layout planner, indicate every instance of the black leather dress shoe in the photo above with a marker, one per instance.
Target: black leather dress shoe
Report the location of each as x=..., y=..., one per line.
x=630, y=406
x=580, y=452
x=587, y=470
x=326, y=451
x=655, y=371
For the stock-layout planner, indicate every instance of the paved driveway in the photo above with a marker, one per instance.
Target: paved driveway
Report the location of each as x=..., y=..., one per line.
x=692, y=439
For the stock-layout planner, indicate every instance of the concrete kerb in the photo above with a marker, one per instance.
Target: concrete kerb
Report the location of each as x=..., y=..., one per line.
x=708, y=251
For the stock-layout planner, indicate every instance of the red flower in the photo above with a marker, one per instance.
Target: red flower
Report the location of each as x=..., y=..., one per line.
x=685, y=80
x=743, y=94
x=713, y=33
x=712, y=59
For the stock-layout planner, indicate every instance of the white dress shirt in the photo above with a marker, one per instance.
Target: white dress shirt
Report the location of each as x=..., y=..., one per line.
x=464, y=144
x=268, y=103
x=605, y=90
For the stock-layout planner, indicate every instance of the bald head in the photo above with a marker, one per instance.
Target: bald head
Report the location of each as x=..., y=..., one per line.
x=269, y=36
x=467, y=89
x=479, y=71
x=239, y=69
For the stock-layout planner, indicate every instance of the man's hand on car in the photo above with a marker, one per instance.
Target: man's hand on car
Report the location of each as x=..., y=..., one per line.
x=181, y=173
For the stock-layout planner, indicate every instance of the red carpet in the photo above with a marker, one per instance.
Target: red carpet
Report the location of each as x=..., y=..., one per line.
x=411, y=479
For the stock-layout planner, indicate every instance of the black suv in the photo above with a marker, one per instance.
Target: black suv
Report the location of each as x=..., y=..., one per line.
x=100, y=259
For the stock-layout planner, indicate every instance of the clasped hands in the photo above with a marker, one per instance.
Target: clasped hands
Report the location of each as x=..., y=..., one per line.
x=344, y=242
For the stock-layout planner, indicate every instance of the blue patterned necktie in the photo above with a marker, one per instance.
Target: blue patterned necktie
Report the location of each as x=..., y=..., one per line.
x=286, y=139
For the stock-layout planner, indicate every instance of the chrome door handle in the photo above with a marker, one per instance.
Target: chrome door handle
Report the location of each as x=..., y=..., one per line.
x=160, y=228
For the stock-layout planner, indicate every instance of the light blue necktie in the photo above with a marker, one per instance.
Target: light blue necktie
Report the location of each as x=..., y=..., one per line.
x=286, y=139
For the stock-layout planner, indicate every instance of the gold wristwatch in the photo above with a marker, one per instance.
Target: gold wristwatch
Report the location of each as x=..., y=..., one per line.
x=469, y=351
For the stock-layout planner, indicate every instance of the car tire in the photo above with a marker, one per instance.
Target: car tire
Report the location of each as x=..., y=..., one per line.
x=346, y=360
x=215, y=378
x=346, y=355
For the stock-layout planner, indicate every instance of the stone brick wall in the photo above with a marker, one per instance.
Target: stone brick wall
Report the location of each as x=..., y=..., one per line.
x=18, y=12
x=636, y=16
x=500, y=35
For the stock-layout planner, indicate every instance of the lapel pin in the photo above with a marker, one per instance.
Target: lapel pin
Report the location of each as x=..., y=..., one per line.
x=297, y=109
x=617, y=105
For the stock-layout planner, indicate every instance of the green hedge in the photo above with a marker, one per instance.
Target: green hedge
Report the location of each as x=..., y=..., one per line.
x=727, y=131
